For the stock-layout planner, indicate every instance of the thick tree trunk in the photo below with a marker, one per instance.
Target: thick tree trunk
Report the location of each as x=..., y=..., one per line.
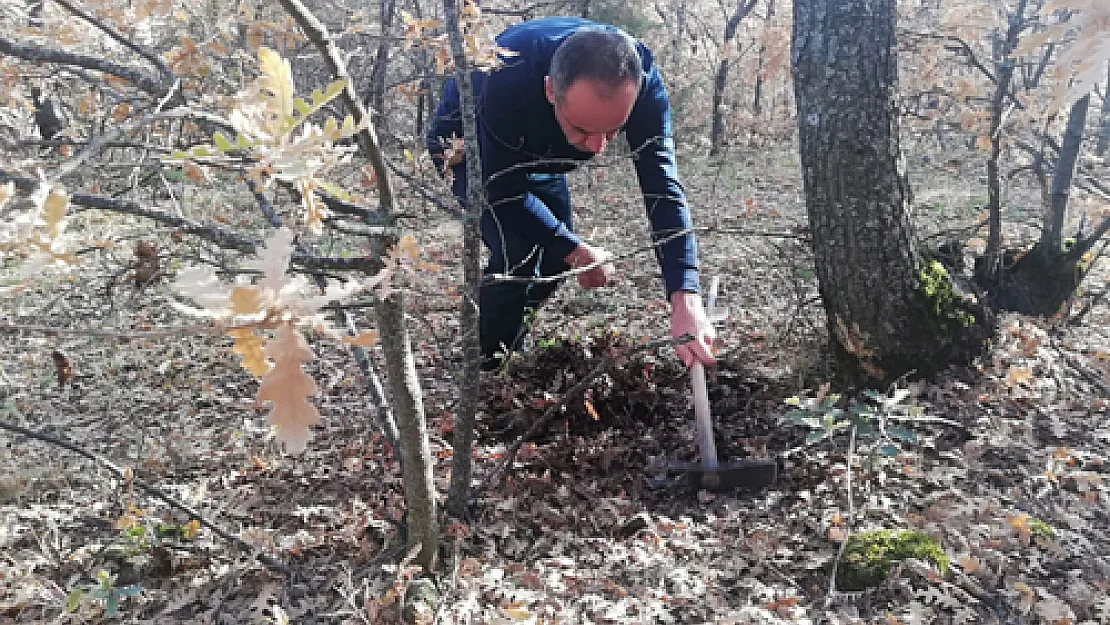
x=889, y=310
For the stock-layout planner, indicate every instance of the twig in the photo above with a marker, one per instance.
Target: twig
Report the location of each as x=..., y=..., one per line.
x=497, y=475
x=11, y=328
x=37, y=54
x=242, y=545
x=214, y=234
x=96, y=145
x=117, y=37
x=848, y=522
x=501, y=278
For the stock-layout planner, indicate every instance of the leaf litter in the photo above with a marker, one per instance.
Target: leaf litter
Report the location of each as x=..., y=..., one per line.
x=576, y=534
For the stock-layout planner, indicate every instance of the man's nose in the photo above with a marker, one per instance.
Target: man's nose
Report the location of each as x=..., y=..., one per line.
x=596, y=143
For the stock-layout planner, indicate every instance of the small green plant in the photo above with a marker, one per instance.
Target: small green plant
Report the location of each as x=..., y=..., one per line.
x=1042, y=530
x=936, y=286
x=873, y=419
x=104, y=593
x=870, y=556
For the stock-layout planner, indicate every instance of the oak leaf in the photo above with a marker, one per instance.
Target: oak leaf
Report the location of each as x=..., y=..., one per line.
x=6, y=193
x=288, y=387
x=368, y=338
x=63, y=367
x=245, y=300
x=249, y=346
x=54, y=211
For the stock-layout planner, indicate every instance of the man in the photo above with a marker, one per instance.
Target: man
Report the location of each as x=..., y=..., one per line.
x=570, y=88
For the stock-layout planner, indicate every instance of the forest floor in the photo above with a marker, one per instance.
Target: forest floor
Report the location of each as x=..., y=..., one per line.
x=1003, y=462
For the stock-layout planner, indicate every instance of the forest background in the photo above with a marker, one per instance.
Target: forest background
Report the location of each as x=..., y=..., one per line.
x=166, y=163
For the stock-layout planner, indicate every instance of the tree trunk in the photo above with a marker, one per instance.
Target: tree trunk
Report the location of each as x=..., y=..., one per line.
x=1104, y=119
x=426, y=105
x=408, y=402
x=381, y=59
x=1044, y=280
x=757, y=95
x=463, y=443
x=720, y=84
x=400, y=367
x=679, y=41
x=889, y=310
x=991, y=272
x=1052, y=235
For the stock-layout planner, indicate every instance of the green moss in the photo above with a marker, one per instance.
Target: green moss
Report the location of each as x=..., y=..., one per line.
x=869, y=556
x=1040, y=529
x=936, y=286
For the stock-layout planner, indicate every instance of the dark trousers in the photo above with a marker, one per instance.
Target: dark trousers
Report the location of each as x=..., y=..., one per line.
x=504, y=307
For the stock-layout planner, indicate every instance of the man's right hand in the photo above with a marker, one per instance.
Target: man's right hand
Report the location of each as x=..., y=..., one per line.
x=586, y=255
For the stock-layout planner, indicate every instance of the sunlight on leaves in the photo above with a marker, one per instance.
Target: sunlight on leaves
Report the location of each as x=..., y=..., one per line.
x=249, y=346
x=6, y=193
x=245, y=300
x=288, y=387
x=366, y=339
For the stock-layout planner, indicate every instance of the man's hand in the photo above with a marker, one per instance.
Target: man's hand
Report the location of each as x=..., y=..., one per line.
x=585, y=255
x=688, y=317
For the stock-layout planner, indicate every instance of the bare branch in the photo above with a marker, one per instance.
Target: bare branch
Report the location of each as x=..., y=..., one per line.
x=213, y=234
x=117, y=37
x=158, y=87
x=128, y=477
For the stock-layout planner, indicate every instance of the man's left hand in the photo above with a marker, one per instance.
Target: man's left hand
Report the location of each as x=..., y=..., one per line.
x=688, y=317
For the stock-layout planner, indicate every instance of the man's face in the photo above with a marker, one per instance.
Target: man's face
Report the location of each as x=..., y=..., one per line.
x=590, y=113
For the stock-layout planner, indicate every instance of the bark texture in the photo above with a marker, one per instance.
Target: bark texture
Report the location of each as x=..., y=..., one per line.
x=1044, y=281
x=463, y=437
x=404, y=386
x=890, y=311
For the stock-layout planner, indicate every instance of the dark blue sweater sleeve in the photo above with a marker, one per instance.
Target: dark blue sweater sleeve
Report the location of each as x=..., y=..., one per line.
x=650, y=138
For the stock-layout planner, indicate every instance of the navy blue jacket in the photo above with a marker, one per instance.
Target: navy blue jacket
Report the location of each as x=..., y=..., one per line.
x=520, y=135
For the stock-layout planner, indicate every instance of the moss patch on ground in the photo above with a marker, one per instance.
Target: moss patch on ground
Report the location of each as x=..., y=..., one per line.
x=869, y=556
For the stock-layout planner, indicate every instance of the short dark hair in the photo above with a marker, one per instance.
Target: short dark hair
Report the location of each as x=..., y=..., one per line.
x=605, y=55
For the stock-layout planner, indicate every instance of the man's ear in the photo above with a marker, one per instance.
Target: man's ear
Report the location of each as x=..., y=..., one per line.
x=547, y=90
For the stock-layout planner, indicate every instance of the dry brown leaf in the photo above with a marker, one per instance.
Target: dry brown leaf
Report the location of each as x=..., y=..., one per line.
x=288, y=388
x=63, y=367
x=367, y=339
x=6, y=193
x=245, y=300
x=192, y=172
x=249, y=346
x=1018, y=375
x=147, y=266
x=590, y=409
x=121, y=111
x=54, y=211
